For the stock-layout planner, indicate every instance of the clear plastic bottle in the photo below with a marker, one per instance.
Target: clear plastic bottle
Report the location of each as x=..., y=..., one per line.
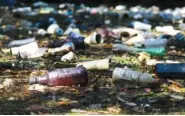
x=152, y=43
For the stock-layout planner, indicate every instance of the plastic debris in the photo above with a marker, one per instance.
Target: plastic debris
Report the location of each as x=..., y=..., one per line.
x=96, y=64
x=131, y=75
x=62, y=77
x=170, y=70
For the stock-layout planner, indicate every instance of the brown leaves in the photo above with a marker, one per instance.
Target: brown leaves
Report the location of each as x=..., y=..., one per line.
x=176, y=88
x=65, y=102
x=114, y=109
x=35, y=108
x=107, y=46
x=38, y=73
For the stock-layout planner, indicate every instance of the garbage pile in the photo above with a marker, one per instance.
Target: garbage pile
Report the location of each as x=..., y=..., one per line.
x=40, y=35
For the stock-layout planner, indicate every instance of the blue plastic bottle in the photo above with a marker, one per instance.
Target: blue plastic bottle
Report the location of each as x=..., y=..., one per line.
x=170, y=70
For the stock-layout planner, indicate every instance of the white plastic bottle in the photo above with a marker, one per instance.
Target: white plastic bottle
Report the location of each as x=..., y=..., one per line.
x=128, y=74
x=30, y=50
x=21, y=42
x=96, y=64
x=141, y=26
x=25, y=49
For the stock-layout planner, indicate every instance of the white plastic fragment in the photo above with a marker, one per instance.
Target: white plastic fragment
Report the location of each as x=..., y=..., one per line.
x=68, y=57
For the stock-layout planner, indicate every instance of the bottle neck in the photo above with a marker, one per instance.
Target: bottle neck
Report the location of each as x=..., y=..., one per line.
x=39, y=80
x=42, y=80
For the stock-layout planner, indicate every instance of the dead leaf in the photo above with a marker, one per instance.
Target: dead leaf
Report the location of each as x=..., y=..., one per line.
x=176, y=88
x=35, y=108
x=108, y=46
x=144, y=56
x=64, y=102
x=114, y=109
x=174, y=82
x=38, y=73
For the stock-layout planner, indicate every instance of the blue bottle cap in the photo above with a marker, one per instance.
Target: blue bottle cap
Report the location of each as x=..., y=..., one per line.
x=52, y=20
x=59, y=32
x=179, y=37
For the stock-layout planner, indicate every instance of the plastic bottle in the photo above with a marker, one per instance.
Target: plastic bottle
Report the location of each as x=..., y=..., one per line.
x=40, y=4
x=128, y=31
x=25, y=49
x=66, y=47
x=182, y=26
x=45, y=22
x=57, y=43
x=46, y=10
x=77, y=40
x=179, y=37
x=167, y=30
x=160, y=51
x=40, y=52
x=128, y=74
x=22, y=9
x=149, y=43
x=106, y=33
x=94, y=38
x=164, y=29
x=30, y=50
x=69, y=30
x=141, y=26
x=170, y=70
x=21, y=42
x=178, y=41
x=96, y=64
x=63, y=77
x=135, y=39
x=124, y=48
x=54, y=28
